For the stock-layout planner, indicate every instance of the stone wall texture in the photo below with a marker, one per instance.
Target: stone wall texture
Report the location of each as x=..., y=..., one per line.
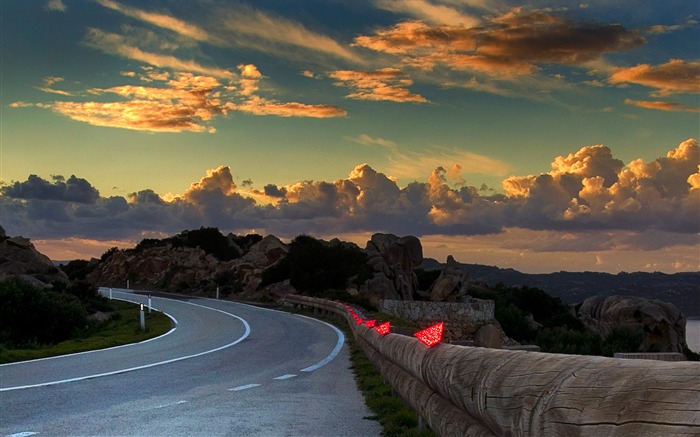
x=462, y=320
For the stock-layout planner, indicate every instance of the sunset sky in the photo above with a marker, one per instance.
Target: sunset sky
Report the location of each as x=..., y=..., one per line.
x=540, y=136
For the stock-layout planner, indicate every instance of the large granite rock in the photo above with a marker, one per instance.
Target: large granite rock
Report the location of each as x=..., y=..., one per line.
x=393, y=259
x=169, y=268
x=452, y=284
x=19, y=258
x=661, y=323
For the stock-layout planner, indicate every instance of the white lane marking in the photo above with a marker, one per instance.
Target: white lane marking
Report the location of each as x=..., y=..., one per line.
x=103, y=349
x=146, y=366
x=283, y=377
x=334, y=352
x=23, y=434
x=171, y=404
x=328, y=359
x=244, y=387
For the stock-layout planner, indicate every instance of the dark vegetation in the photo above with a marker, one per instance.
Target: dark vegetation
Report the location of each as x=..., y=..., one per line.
x=31, y=315
x=559, y=330
x=209, y=240
x=314, y=266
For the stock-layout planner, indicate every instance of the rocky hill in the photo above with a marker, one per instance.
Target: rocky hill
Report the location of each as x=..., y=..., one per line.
x=680, y=289
x=19, y=258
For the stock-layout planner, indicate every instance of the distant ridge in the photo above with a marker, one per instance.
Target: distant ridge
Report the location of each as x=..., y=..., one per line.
x=680, y=289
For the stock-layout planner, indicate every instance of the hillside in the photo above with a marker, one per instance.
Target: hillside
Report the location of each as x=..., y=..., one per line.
x=680, y=289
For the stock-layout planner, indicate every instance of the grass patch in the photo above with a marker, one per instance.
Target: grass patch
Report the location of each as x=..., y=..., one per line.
x=124, y=327
x=395, y=416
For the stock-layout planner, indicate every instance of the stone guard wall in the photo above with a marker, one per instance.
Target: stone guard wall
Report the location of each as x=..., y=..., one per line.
x=461, y=319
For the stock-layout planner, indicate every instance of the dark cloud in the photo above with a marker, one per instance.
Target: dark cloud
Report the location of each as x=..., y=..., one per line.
x=71, y=190
x=586, y=191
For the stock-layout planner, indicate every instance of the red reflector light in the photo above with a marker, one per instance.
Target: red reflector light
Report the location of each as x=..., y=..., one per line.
x=383, y=329
x=370, y=323
x=432, y=335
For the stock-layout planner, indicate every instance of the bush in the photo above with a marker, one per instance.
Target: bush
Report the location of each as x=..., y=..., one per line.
x=564, y=340
x=31, y=315
x=313, y=266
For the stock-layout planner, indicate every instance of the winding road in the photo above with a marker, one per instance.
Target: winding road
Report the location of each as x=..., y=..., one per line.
x=226, y=369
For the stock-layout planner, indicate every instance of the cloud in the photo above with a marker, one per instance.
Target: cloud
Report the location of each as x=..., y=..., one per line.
x=675, y=76
x=248, y=27
x=511, y=44
x=424, y=10
x=71, y=190
x=120, y=45
x=185, y=104
x=588, y=201
x=161, y=20
x=662, y=106
x=387, y=84
x=179, y=101
x=55, y=6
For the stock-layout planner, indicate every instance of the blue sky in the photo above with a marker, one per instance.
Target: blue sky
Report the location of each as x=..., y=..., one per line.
x=528, y=135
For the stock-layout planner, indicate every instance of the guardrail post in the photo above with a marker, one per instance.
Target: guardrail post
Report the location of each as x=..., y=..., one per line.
x=110, y=293
x=142, y=317
x=421, y=423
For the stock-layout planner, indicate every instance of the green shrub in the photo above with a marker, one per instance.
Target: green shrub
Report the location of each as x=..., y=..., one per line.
x=30, y=315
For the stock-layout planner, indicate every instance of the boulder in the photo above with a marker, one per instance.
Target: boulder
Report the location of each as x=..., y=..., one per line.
x=393, y=260
x=491, y=336
x=661, y=323
x=451, y=285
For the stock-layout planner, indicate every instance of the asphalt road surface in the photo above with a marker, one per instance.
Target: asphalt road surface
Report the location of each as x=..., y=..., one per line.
x=228, y=369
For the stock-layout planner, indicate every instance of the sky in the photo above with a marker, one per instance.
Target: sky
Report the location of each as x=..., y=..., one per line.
x=540, y=136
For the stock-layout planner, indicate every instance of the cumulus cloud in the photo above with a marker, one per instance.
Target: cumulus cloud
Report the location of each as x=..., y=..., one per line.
x=587, y=192
x=72, y=189
x=675, y=76
x=388, y=84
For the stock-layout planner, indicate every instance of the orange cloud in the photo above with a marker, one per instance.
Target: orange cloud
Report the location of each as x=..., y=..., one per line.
x=388, y=84
x=512, y=43
x=675, y=76
x=662, y=106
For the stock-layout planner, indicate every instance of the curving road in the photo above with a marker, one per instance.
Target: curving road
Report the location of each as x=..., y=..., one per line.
x=227, y=369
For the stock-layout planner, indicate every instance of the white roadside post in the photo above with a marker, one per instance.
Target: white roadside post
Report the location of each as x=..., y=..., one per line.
x=110, y=293
x=143, y=319
x=149, y=304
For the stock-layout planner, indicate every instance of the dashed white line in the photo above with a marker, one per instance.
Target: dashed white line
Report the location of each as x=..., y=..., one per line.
x=171, y=404
x=23, y=434
x=283, y=377
x=244, y=387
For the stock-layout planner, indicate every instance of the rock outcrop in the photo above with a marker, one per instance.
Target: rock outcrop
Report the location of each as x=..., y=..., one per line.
x=661, y=323
x=169, y=268
x=452, y=284
x=393, y=260
x=19, y=258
